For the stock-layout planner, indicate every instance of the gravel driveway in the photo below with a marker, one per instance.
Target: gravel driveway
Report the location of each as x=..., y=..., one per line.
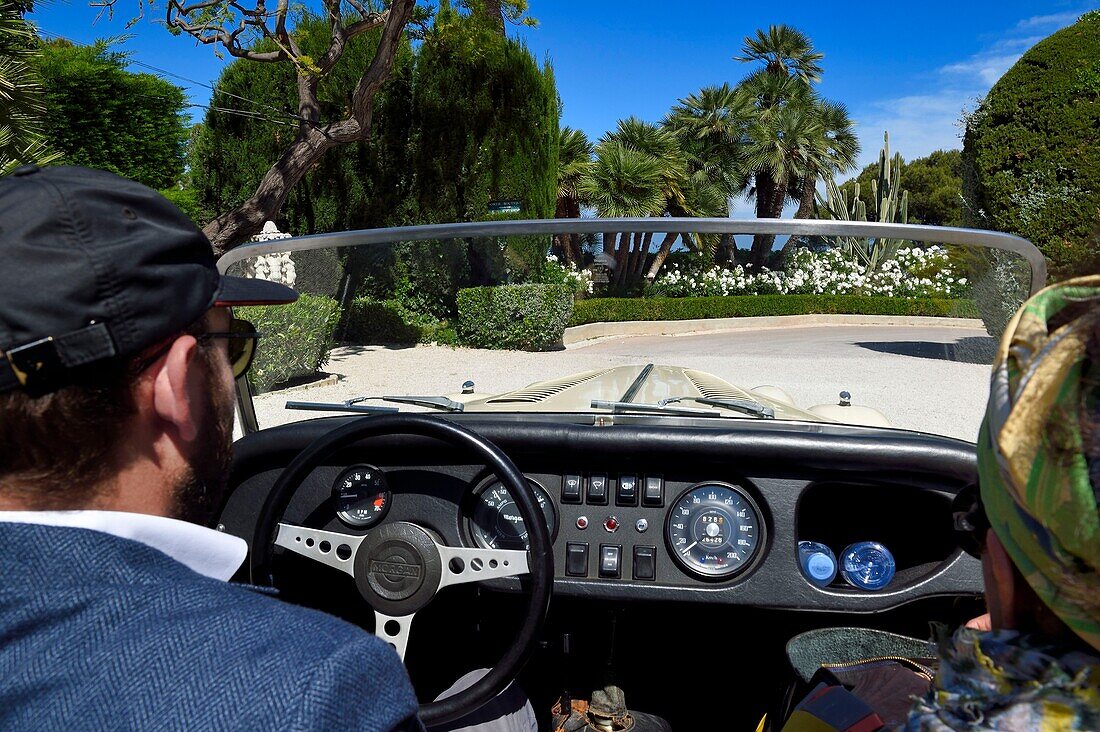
x=932, y=379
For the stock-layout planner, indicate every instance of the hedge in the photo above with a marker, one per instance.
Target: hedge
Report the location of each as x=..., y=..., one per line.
x=514, y=317
x=387, y=322
x=605, y=310
x=1031, y=152
x=295, y=339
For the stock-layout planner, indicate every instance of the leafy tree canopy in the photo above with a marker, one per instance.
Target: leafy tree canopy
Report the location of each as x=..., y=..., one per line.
x=100, y=115
x=934, y=185
x=1031, y=155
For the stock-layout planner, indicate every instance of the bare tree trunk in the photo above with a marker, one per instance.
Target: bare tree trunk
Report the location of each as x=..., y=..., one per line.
x=723, y=253
x=235, y=227
x=806, y=202
x=762, y=243
x=805, y=211
x=493, y=14
x=661, y=255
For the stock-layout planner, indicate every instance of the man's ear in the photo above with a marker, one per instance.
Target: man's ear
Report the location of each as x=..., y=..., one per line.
x=177, y=387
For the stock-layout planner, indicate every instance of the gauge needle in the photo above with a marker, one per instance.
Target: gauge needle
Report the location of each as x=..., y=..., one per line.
x=687, y=549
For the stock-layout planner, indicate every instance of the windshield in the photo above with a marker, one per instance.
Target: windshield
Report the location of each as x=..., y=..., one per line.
x=817, y=323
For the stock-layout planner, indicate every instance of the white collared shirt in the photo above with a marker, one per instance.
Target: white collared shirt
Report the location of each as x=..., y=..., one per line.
x=211, y=553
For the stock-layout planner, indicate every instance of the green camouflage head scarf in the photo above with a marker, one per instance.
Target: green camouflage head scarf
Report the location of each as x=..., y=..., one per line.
x=1035, y=482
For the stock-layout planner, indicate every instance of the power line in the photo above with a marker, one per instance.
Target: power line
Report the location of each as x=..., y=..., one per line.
x=225, y=110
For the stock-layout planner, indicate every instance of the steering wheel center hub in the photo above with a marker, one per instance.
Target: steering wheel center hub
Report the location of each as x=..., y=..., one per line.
x=398, y=568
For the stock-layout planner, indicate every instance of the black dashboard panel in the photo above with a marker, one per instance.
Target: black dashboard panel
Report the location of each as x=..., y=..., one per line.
x=830, y=483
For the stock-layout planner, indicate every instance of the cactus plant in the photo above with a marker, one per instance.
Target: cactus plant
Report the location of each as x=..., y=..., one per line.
x=893, y=207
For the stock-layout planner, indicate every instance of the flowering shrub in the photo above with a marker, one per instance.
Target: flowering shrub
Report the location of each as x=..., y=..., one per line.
x=914, y=272
x=579, y=281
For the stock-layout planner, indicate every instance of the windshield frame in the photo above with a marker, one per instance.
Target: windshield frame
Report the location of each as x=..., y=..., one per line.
x=971, y=238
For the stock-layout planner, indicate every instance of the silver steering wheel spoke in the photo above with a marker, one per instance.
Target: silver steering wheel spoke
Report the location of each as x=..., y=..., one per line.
x=394, y=630
x=327, y=547
x=462, y=564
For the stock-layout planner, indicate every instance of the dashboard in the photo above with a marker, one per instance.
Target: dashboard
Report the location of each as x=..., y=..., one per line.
x=652, y=509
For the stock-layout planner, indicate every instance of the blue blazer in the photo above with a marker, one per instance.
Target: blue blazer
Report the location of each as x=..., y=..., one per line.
x=98, y=632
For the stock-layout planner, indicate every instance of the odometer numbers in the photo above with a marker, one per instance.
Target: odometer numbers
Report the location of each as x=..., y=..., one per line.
x=362, y=496
x=714, y=530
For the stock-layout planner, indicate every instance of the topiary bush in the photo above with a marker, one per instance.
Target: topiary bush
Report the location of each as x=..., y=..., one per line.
x=615, y=309
x=514, y=317
x=295, y=339
x=389, y=322
x=1031, y=152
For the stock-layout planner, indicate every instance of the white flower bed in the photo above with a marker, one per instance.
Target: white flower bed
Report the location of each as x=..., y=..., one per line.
x=914, y=272
x=556, y=273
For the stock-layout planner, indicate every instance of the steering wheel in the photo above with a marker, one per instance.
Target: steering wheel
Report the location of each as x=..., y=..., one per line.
x=399, y=567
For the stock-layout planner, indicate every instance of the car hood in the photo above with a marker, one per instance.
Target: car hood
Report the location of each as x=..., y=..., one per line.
x=574, y=393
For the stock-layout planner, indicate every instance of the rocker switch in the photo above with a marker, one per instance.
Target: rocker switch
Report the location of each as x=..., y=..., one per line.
x=576, y=559
x=645, y=562
x=597, y=489
x=610, y=561
x=571, y=489
x=654, y=492
x=627, y=492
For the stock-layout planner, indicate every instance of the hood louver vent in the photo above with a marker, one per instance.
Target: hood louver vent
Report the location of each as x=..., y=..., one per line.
x=546, y=389
x=714, y=388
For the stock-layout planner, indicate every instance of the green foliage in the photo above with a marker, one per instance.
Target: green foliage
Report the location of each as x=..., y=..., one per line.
x=1031, y=153
x=514, y=317
x=100, y=115
x=486, y=125
x=608, y=310
x=354, y=186
x=389, y=322
x=295, y=339
x=21, y=96
x=934, y=184
x=187, y=200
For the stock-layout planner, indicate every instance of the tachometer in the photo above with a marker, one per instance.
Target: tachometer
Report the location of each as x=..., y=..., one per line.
x=714, y=530
x=362, y=496
x=496, y=522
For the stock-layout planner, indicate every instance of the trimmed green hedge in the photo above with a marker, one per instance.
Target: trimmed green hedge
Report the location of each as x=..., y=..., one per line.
x=295, y=339
x=387, y=322
x=1031, y=153
x=613, y=309
x=514, y=317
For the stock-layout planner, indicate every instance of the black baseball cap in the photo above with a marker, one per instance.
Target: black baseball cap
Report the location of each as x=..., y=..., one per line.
x=94, y=269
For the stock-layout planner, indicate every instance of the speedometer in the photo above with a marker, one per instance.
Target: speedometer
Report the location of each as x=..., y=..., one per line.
x=714, y=530
x=496, y=522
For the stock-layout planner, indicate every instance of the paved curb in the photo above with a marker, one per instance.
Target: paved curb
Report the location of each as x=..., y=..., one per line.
x=581, y=333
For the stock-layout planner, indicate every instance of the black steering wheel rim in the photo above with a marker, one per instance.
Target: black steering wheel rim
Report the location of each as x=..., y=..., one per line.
x=540, y=557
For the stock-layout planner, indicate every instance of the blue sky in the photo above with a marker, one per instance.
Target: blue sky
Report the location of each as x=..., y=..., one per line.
x=909, y=68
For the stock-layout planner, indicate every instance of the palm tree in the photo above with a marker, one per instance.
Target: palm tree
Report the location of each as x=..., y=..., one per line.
x=839, y=152
x=574, y=163
x=785, y=133
x=21, y=102
x=624, y=181
x=785, y=51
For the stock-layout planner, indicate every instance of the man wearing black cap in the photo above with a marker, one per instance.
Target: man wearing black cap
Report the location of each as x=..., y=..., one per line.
x=117, y=359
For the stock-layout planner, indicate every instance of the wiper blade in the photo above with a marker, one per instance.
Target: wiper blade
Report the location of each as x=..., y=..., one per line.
x=747, y=406
x=637, y=408
x=355, y=405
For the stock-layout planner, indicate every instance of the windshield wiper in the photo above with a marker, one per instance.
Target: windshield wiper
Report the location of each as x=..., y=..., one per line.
x=747, y=406
x=355, y=405
x=636, y=408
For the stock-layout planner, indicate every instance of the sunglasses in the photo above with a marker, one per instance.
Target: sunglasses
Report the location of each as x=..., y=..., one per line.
x=970, y=522
x=241, y=337
x=241, y=340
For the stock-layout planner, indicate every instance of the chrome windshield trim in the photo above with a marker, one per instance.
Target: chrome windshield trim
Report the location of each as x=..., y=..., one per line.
x=808, y=227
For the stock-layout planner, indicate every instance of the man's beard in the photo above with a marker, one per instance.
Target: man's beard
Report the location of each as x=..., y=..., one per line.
x=200, y=488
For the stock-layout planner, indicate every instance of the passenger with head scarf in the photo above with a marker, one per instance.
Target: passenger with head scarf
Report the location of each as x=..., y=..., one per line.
x=1037, y=529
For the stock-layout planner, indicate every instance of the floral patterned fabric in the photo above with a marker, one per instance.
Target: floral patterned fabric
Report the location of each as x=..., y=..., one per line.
x=1003, y=680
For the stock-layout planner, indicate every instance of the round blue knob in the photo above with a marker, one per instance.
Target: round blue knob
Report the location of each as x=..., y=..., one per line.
x=867, y=565
x=818, y=562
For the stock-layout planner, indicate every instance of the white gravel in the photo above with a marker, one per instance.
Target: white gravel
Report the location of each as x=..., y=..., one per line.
x=926, y=379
